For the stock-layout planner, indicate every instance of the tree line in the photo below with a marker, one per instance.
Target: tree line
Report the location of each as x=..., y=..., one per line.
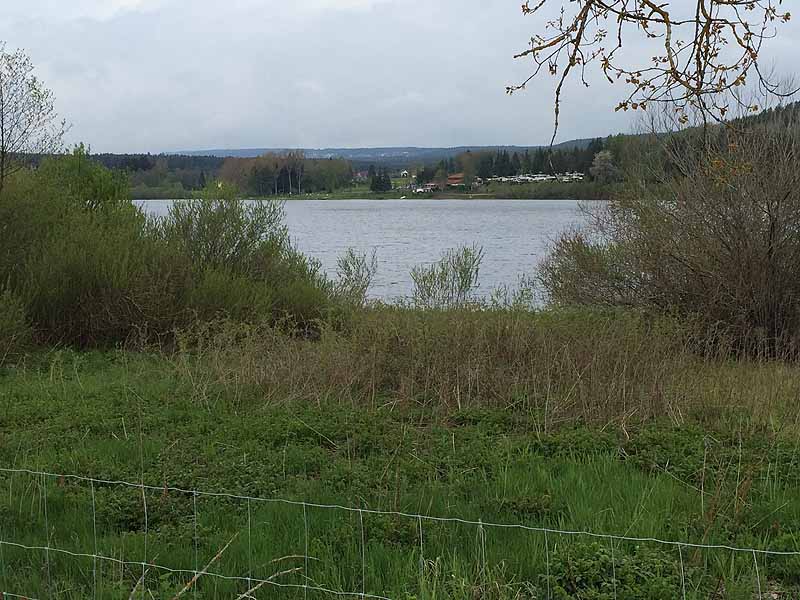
x=267, y=175
x=502, y=163
x=284, y=174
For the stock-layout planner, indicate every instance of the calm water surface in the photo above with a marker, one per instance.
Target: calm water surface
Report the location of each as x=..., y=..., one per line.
x=515, y=234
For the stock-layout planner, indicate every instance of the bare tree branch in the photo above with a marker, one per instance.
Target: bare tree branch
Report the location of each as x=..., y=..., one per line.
x=703, y=50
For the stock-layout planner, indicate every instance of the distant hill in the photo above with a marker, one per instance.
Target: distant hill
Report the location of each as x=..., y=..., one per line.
x=388, y=156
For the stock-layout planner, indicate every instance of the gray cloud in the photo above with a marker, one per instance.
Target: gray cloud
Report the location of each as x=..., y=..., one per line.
x=153, y=75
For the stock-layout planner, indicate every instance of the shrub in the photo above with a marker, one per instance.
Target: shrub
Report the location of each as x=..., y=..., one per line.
x=35, y=204
x=243, y=261
x=450, y=281
x=84, y=182
x=219, y=230
x=99, y=279
x=355, y=273
x=92, y=270
x=15, y=332
x=78, y=254
x=711, y=236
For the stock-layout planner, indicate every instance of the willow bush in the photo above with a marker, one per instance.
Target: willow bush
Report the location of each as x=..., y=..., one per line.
x=92, y=270
x=707, y=231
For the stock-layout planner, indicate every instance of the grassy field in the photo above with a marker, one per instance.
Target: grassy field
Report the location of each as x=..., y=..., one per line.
x=349, y=419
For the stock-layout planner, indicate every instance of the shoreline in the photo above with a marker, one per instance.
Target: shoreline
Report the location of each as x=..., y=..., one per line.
x=435, y=197
x=568, y=191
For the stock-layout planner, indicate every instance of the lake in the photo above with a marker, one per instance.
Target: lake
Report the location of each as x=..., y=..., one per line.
x=514, y=234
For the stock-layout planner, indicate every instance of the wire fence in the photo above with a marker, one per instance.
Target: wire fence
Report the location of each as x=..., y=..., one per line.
x=250, y=584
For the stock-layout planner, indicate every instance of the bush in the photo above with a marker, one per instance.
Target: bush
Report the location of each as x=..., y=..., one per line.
x=220, y=230
x=100, y=279
x=710, y=235
x=92, y=270
x=36, y=204
x=243, y=261
x=355, y=273
x=78, y=252
x=449, y=282
x=15, y=332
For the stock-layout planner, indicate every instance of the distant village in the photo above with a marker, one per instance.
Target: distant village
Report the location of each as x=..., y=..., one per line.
x=470, y=171
x=462, y=181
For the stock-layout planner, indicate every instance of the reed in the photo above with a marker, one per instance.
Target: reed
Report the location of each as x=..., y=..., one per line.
x=564, y=366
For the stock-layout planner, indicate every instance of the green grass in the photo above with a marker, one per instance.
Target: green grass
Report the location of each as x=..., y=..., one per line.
x=137, y=418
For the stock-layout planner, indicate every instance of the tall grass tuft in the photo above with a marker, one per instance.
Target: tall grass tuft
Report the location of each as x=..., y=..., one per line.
x=16, y=334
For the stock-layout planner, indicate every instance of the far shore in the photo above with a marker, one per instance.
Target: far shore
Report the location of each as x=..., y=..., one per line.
x=550, y=192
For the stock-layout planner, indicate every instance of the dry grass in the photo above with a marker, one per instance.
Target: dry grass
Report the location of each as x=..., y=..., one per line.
x=601, y=368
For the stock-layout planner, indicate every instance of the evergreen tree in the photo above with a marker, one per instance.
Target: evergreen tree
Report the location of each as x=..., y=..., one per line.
x=516, y=164
x=381, y=181
x=485, y=167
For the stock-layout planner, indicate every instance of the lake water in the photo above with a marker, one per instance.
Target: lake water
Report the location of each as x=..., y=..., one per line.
x=514, y=234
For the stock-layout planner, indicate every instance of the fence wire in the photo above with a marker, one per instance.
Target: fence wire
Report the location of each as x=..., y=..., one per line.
x=253, y=584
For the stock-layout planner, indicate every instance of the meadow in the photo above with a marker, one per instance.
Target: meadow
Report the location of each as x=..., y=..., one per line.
x=614, y=434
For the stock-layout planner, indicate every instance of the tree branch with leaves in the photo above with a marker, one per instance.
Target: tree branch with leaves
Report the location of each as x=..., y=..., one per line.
x=29, y=124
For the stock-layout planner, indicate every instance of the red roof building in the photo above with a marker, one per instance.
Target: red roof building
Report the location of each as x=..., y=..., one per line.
x=456, y=179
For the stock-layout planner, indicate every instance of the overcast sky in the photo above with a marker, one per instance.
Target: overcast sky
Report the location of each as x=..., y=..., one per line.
x=163, y=75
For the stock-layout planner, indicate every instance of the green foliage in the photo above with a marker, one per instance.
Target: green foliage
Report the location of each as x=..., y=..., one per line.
x=355, y=273
x=220, y=230
x=552, y=190
x=240, y=253
x=449, y=282
x=502, y=163
x=219, y=291
x=381, y=181
x=286, y=174
x=590, y=572
x=16, y=334
x=63, y=190
x=581, y=270
x=165, y=192
x=78, y=253
x=99, y=278
x=93, y=270
x=83, y=182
